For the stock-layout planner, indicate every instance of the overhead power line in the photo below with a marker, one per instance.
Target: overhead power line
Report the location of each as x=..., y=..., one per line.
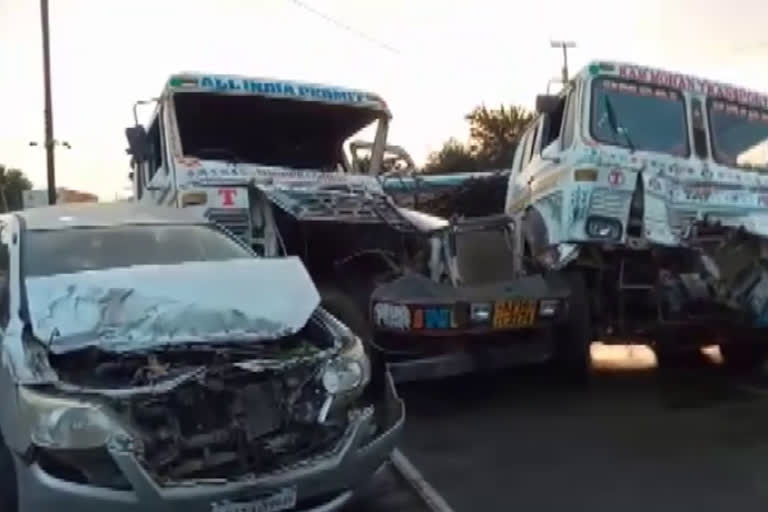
x=346, y=27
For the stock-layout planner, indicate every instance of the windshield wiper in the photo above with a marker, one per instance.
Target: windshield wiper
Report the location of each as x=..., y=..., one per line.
x=616, y=128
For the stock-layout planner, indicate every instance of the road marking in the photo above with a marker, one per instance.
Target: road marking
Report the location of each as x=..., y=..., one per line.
x=412, y=475
x=751, y=388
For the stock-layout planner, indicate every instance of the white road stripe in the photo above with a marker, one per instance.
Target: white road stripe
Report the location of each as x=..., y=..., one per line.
x=412, y=475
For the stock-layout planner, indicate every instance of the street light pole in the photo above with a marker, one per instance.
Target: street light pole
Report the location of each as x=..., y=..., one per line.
x=49, y=143
x=564, y=45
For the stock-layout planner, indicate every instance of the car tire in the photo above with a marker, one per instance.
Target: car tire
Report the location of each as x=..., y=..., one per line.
x=744, y=356
x=9, y=499
x=572, y=340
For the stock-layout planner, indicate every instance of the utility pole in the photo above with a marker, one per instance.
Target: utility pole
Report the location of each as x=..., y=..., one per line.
x=49, y=142
x=564, y=45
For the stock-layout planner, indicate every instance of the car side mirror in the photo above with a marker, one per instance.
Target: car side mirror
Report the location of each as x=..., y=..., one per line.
x=138, y=145
x=548, y=103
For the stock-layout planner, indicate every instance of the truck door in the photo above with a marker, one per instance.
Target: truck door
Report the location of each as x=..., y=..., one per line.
x=517, y=190
x=156, y=170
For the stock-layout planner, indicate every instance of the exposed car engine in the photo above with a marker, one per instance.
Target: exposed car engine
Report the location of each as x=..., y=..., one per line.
x=242, y=409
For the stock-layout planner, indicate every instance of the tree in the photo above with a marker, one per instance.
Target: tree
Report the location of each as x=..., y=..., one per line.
x=493, y=137
x=494, y=133
x=12, y=183
x=453, y=157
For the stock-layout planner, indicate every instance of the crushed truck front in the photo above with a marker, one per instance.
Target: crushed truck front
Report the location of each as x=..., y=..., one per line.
x=468, y=311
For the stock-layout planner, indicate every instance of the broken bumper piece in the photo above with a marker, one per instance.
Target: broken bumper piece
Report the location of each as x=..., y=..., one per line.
x=323, y=482
x=429, y=330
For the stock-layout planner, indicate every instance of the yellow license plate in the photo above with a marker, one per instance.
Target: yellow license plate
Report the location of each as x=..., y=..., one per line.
x=514, y=313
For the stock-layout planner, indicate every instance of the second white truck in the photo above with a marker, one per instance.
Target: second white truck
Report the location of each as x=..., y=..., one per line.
x=651, y=187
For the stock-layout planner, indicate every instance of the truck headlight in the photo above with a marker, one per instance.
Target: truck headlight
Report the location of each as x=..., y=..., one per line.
x=480, y=312
x=57, y=422
x=350, y=371
x=548, y=307
x=603, y=228
x=194, y=198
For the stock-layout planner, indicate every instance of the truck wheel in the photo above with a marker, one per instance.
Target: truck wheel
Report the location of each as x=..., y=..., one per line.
x=8, y=489
x=573, y=339
x=345, y=308
x=744, y=356
x=676, y=357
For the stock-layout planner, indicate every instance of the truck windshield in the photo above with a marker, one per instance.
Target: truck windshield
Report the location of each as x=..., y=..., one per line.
x=254, y=129
x=640, y=117
x=739, y=135
x=78, y=249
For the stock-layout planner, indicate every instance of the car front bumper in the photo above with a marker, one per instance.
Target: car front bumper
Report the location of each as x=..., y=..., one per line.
x=322, y=484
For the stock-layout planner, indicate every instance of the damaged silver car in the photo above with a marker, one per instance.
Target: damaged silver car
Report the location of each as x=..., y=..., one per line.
x=150, y=362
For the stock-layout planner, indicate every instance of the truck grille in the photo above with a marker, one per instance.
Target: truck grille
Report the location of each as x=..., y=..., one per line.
x=236, y=221
x=610, y=203
x=679, y=219
x=327, y=205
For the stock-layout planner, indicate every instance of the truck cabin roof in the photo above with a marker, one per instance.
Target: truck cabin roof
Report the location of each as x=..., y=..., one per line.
x=676, y=80
x=275, y=88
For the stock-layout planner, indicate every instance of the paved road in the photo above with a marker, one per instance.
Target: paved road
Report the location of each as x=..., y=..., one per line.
x=638, y=440
x=388, y=492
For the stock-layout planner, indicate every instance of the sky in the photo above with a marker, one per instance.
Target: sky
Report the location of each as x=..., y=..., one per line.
x=431, y=60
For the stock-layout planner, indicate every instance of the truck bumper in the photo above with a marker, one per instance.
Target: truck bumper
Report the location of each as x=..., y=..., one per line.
x=321, y=484
x=472, y=360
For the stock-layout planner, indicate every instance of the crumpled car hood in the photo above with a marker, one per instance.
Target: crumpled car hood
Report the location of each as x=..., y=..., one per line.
x=144, y=307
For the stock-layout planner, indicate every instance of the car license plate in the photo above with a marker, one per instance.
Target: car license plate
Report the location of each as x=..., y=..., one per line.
x=284, y=499
x=514, y=313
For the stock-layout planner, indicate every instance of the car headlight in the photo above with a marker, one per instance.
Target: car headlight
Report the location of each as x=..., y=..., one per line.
x=350, y=370
x=58, y=422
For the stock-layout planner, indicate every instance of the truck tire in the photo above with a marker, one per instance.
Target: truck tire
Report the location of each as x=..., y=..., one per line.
x=344, y=307
x=8, y=486
x=572, y=340
x=744, y=356
x=673, y=357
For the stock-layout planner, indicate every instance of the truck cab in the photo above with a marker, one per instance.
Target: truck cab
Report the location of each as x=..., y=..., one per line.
x=642, y=180
x=212, y=136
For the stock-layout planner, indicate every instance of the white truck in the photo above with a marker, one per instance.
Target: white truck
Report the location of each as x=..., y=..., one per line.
x=652, y=188
x=271, y=160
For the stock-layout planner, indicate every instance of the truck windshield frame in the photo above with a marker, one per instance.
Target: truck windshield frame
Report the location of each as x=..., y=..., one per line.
x=741, y=118
x=627, y=98
x=280, y=132
x=79, y=249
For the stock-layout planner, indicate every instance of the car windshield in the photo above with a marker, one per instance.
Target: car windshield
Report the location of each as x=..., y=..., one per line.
x=640, y=117
x=78, y=249
x=739, y=135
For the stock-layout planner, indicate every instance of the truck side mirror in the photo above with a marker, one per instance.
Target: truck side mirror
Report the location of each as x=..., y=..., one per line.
x=548, y=103
x=138, y=145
